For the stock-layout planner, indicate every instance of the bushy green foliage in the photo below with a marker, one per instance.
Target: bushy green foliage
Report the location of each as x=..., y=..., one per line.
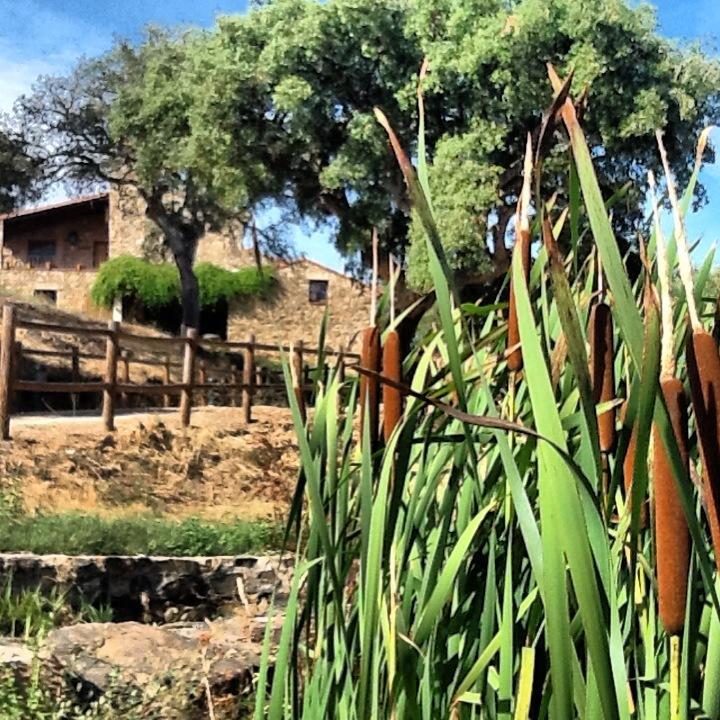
x=127, y=276
x=217, y=283
x=88, y=534
x=158, y=284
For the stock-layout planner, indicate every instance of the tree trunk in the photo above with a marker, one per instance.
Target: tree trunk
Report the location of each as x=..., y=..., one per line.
x=256, y=248
x=189, y=291
x=182, y=238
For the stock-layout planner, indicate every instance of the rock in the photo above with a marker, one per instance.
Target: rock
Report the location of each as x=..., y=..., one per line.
x=15, y=655
x=101, y=656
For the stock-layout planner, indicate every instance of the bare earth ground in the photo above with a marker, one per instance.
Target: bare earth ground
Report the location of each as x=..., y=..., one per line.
x=217, y=469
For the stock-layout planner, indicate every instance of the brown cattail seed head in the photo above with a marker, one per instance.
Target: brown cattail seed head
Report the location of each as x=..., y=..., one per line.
x=370, y=386
x=672, y=537
x=514, y=358
x=602, y=370
x=629, y=469
x=392, y=397
x=703, y=364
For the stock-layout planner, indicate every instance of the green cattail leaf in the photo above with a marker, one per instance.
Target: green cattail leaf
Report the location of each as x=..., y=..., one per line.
x=282, y=656
x=444, y=585
x=643, y=419
x=575, y=343
x=560, y=501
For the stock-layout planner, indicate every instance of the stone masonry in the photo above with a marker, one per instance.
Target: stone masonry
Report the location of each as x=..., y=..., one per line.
x=289, y=315
x=153, y=589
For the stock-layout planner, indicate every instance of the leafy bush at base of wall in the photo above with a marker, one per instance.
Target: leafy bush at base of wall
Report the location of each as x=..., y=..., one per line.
x=158, y=284
x=74, y=534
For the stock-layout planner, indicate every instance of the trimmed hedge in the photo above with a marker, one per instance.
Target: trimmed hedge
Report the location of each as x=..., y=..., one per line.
x=158, y=284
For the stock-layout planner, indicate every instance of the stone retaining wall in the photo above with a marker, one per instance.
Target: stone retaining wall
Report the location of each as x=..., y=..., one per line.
x=151, y=589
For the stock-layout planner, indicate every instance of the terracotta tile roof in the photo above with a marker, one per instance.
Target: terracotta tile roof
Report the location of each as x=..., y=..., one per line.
x=70, y=202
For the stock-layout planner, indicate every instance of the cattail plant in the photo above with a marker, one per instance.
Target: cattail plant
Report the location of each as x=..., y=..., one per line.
x=485, y=580
x=602, y=369
x=522, y=246
x=370, y=360
x=392, y=368
x=672, y=536
x=629, y=461
x=703, y=363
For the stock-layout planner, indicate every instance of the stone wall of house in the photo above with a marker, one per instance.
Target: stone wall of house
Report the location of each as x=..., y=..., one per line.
x=129, y=227
x=289, y=315
x=71, y=286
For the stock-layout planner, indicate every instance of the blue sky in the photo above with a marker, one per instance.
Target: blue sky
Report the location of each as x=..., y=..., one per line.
x=47, y=36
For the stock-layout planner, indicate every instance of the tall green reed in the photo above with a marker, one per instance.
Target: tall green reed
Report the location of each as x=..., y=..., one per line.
x=484, y=562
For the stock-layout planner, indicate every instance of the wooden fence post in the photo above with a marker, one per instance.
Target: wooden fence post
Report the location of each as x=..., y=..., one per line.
x=74, y=363
x=298, y=375
x=234, y=381
x=203, y=381
x=125, y=375
x=111, y=354
x=188, y=375
x=74, y=373
x=16, y=372
x=248, y=378
x=167, y=399
x=7, y=342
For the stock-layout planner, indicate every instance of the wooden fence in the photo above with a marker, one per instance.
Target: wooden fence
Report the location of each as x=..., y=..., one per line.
x=195, y=380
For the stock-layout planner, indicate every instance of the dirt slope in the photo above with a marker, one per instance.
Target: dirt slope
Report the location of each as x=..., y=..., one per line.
x=219, y=468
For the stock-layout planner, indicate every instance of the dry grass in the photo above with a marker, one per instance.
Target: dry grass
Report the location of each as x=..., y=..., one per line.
x=218, y=469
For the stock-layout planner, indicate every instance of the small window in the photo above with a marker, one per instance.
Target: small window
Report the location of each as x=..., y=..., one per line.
x=318, y=291
x=46, y=296
x=41, y=252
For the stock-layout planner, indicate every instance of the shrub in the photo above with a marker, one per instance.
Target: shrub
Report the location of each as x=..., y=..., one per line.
x=158, y=284
x=218, y=283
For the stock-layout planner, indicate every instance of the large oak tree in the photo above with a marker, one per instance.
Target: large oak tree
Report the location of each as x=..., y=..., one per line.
x=276, y=106
x=129, y=119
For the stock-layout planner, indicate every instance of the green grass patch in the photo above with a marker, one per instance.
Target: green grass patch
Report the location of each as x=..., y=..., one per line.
x=32, y=614
x=75, y=534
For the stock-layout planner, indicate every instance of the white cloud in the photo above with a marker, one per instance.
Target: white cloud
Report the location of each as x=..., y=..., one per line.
x=38, y=40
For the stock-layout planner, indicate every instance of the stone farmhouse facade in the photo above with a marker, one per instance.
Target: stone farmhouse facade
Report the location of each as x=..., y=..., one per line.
x=52, y=253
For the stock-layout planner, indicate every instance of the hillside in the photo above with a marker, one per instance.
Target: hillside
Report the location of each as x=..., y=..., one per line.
x=217, y=469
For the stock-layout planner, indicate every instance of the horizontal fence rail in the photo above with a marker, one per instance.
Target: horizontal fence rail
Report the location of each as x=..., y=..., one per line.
x=205, y=365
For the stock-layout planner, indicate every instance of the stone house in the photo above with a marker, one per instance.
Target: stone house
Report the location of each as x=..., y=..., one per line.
x=52, y=253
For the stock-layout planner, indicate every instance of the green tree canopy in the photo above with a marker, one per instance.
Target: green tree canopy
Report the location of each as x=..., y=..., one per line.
x=325, y=65
x=131, y=118
x=276, y=107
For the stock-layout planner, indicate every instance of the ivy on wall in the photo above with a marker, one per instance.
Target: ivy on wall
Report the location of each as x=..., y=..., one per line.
x=158, y=284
